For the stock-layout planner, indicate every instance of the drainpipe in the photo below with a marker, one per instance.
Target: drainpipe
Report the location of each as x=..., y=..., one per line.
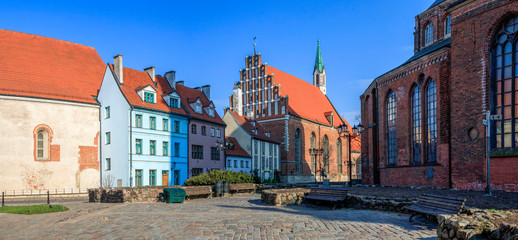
x=130, y=146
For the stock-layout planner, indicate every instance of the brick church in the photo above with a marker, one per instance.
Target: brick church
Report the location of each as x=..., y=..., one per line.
x=300, y=116
x=424, y=120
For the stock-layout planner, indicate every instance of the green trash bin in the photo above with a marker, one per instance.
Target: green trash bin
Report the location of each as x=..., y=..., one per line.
x=174, y=195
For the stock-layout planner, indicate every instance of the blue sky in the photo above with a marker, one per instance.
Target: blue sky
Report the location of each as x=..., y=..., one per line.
x=206, y=42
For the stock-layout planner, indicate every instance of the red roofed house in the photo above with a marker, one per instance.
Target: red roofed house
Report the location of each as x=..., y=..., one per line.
x=206, y=130
x=50, y=116
x=237, y=158
x=257, y=142
x=299, y=115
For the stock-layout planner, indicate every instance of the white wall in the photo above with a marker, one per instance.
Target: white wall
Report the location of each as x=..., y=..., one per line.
x=232, y=160
x=118, y=126
x=73, y=125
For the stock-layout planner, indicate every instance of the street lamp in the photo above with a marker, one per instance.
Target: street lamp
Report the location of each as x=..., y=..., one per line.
x=222, y=146
x=316, y=152
x=344, y=129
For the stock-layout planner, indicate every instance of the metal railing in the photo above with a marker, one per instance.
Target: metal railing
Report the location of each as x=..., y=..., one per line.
x=36, y=192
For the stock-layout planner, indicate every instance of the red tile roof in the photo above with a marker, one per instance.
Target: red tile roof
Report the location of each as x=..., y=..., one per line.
x=37, y=66
x=238, y=150
x=304, y=99
x=246, y=124
x=135, y=80
x=356, y=143
x=189, y=95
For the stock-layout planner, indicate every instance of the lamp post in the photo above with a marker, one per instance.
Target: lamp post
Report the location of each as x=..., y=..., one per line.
x=222, y=146
x=357, y=130
x=316, y=152
x=343, y=129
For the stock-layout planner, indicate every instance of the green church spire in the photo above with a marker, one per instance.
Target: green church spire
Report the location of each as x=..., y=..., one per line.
x=319, y=63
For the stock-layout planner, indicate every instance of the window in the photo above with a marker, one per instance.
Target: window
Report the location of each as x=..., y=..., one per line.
x=108, y=164
x=177, y=126
x=138, y=146
x=194, y=129
x=298, y=157
x=428, y=36
x=416, y=125
x=107, y=112
x=391, y=129
x=138, y=121
x=197, y=171
x=152, y=149
x=431, y=122
x=218, y=133
x=152, y=177
x=152, y=123
x=447, y=26
x=504, y=132
x=203, y=130
x=175, y=103
x=197, y=152
x=176, y=149
x=242, y=164
x=212, y=132
x=326, y=155
x=339, y=156
x=149, y=97
x=108, y=138
x=165, y=148
x=247, y=164
x=229, y=163
x=235, y=163
x=165, y=124
x=211, y=112
x=138, y=177
x=41, y=143
x=214, y=153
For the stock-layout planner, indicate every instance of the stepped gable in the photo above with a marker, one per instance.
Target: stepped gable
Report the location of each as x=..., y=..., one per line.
x=42, y=67
x=305, y=100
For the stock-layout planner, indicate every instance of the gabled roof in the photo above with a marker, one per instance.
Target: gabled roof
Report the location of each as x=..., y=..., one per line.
x=135, y=80
x=298, y=92
x=237, y=151
x=189, y=95
x=247, y=125
x=36, y=66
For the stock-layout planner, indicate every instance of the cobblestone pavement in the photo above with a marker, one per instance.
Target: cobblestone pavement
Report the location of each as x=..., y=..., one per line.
x=236, y=217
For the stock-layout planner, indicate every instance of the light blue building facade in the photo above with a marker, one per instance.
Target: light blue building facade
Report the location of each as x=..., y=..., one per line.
x=144, y=129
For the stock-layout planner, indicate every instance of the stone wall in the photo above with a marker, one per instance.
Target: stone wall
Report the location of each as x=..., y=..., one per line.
x=477, y=224
x=378, y=203
x=136, y=194
x=280, y=197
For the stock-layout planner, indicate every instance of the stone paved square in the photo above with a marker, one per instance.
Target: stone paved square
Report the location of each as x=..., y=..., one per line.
x=235, y=217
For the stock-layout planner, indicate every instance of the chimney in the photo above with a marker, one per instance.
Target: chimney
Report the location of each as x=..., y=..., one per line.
x=117, y=67
x=171, y=78
x=206, y=90
x=151, y=72
x=180, y=82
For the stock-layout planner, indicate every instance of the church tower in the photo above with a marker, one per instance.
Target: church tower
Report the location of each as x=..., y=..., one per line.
x=319, y=72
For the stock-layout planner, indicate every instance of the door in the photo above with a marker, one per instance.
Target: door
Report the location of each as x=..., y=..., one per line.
x=176, y=177
x=165, y=178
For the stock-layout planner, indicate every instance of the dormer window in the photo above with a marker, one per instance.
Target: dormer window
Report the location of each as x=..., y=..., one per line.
x=175, y=103
x=211, y=112
x=149, y=97
x=447, y=26
x=197, y=109
x=428, y=34
x=196, y=106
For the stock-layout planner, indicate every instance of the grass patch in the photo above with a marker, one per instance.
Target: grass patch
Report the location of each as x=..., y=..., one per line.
x=34, y=209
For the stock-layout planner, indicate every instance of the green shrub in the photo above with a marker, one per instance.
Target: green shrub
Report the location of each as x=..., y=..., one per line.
x=211, y=177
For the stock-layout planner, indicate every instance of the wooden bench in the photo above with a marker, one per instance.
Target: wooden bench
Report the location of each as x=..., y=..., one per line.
x=245, y=187
x=198, y=191
x=333, y=195
x=435, y=204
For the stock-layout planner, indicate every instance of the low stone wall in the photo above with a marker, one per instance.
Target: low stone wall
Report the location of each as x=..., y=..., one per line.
x=128, y=194
x=280, y=197
x=379, y=203
x=477, y=224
